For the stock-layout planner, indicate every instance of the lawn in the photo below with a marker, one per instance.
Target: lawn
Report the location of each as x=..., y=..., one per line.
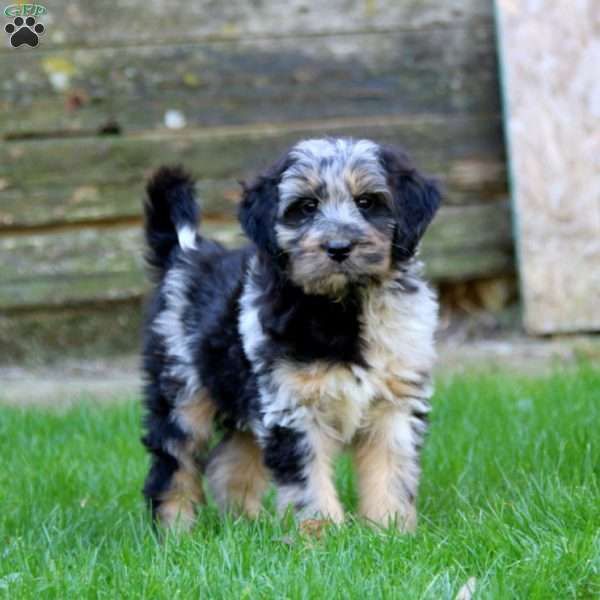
x=510, y=495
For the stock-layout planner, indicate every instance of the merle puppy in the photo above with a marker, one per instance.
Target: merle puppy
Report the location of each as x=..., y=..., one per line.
x=318, y=335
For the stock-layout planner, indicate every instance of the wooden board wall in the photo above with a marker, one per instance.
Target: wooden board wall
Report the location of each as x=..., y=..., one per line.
x=116, y=88
x=551, y=54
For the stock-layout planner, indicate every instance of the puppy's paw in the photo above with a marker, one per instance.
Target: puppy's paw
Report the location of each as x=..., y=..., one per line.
x=332, y=513
x=314, y=528
x=405, y=521
x=177, y=517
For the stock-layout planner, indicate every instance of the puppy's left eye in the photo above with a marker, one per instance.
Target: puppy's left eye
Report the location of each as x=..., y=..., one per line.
x=366, y=201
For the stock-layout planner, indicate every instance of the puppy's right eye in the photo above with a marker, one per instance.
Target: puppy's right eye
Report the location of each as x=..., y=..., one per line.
x=303, y=208
x=308, y=206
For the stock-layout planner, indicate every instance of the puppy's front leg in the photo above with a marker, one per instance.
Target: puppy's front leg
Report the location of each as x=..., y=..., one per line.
x=386, y=455
x=300, y=459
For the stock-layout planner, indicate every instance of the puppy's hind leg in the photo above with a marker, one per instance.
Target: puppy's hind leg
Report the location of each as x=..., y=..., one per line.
x=177, y=441
x=236, y=474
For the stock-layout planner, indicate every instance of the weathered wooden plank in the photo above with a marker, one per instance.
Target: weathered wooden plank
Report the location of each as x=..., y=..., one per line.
x=83, y=332
x=82, y=288
x=79, y=266
x=465, y=181
x=76, y=266
x=451, y=71
x=92, y=23
x=551, y=53
x=442, y=145
x=66, y=254
x=67, y=205
x=88, y=180
x=466, y=228
x=105, y=264
x=469, y=242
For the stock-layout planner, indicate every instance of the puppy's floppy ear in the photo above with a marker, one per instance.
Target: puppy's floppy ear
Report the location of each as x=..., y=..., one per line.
x=258, y=209
x=416, y=200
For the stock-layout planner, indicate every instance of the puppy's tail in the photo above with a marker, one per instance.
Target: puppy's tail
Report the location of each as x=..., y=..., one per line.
x=171, y=216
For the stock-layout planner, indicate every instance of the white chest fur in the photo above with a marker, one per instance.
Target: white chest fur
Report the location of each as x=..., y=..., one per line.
x=398, y=329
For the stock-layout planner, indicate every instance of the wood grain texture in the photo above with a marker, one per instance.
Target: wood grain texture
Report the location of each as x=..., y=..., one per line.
x=466, y=181
x=448, y=146
x=551, y=55
x=78, y=332
x=243, y=81
x=79, y=266
x=132, y=22
x=97, y=265
x=69, y=205
x=100, y=180
x=443, y=71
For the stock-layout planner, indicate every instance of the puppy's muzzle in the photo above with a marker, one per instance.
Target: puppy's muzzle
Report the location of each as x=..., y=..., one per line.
x=338, y=250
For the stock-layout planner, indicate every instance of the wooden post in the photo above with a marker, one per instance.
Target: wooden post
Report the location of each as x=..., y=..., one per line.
x=550, y=55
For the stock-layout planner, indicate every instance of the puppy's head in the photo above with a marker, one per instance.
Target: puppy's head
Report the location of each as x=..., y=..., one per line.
x=335, y=212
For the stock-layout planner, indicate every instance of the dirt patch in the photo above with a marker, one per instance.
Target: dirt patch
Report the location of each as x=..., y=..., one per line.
x=523, y=354
x=65, y=383
x=119, y=378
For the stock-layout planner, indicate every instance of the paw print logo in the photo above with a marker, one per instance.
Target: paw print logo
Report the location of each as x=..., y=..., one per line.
x=24, y=32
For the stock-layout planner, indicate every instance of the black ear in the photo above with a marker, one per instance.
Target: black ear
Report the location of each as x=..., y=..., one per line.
x=258, y=209
x=416, y=200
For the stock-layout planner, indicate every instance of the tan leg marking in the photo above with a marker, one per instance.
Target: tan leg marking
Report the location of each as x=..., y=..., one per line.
x=236, y=474
x=177, y=509
x=179, y=502
x=196, y=418
x=388, y=470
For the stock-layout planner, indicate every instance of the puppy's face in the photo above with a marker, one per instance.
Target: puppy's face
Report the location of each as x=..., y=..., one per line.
x=340, y=211
x=335, y=219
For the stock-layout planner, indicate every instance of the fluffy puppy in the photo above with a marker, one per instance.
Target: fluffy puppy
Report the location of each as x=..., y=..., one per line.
x=318, y=335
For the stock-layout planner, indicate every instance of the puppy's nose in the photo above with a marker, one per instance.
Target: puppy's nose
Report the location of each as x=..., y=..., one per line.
x=338, y=250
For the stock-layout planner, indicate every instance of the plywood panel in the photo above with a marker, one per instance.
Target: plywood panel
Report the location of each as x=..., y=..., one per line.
x=551, y=62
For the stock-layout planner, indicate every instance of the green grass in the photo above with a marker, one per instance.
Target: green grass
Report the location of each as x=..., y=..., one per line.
x=510, y=495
